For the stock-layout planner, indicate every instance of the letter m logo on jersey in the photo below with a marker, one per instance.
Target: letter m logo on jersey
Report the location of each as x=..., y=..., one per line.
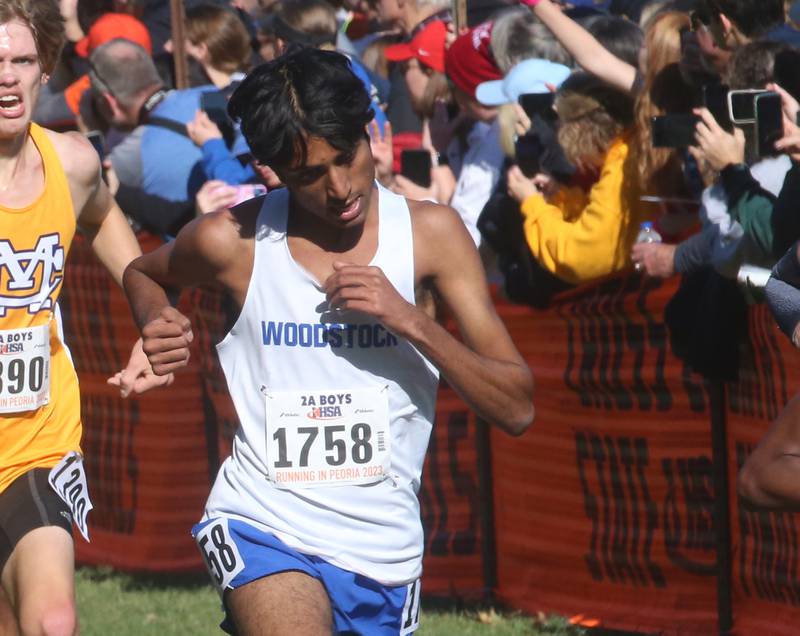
x=29, y=278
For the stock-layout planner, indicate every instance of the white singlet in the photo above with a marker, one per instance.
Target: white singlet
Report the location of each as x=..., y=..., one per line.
x=335, y=410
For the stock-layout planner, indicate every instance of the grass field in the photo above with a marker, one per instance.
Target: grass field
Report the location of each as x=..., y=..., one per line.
x=127, y=605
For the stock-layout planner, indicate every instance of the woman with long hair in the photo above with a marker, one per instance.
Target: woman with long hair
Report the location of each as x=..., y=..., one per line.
x=662, y=90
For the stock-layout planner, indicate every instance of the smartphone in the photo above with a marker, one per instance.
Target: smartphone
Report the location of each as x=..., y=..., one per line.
x=527, y=151
x=715, y=99
x=98, y=142
x=416, y=166
x=539, y=104
x=787, y=71
x=769, y=123
x=676, y=130
x=215, y=105
x=248, y=191
x=742, y=105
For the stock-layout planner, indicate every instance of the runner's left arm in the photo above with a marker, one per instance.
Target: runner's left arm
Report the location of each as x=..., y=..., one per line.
x=486, y=369
x=115, y=245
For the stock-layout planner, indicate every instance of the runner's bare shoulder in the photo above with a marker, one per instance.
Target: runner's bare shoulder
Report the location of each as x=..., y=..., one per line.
x=78, y=158
x=223, y=239
x=438, y=232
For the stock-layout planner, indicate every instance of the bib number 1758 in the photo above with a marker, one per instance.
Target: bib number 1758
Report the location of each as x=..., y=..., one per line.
x=327, y=438
x=338, y=449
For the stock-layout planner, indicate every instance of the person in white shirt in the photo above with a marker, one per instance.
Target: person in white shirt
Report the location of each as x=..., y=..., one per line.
x=332, y=361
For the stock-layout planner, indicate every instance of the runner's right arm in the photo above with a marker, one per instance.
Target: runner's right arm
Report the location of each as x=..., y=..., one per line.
x=769, y=477
x=204, y=252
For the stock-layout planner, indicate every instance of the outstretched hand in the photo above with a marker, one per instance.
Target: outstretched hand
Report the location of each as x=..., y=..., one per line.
x=138, y=376
x=382, y=151
x=790, y=142
x=714, y=144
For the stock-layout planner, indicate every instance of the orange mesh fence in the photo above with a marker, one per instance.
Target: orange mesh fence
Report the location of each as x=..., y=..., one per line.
x=766, y=581
x=603, y=511
x=604, y=508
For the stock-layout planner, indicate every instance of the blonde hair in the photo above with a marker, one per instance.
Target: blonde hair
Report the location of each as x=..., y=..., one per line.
x=224, y=35
x=663, y=90
x=587, y=138
x=591, y=115
x=43, y=17
x=374, y=55
x=437, y=89
x=507, y=133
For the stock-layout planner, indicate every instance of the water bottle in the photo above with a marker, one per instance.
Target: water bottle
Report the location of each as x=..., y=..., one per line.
x=647, y=234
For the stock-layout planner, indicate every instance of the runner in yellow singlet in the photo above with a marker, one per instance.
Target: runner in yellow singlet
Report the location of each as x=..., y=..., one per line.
x=49, y=184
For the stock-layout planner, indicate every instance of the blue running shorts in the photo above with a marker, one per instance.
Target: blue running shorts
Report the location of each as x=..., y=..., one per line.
x=237, y=553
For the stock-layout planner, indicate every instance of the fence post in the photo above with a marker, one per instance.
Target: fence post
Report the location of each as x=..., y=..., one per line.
x=722, y=514
x=179, y=44
x=486, y=508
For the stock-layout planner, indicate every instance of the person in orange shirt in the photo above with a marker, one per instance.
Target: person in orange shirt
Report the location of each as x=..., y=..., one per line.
x=49, y=183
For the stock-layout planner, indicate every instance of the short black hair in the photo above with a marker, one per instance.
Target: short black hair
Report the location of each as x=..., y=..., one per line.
x=618, y=35
x=753, y=18
x=303, y=93
x=753, y=65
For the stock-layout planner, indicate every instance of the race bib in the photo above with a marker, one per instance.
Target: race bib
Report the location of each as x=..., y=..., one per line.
x=68, y=479
x=327, y=438
x=24, y=369
x=219, y=552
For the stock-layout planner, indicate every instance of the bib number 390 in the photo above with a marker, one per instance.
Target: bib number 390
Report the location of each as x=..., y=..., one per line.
x=219, y=552
x=24, y=369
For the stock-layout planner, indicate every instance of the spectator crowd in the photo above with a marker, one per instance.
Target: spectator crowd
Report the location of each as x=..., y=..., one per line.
x=556, y=130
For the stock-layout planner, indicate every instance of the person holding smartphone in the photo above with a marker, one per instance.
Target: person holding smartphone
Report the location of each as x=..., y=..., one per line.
x=478, y=156
x=421, y=61
x=746, y=213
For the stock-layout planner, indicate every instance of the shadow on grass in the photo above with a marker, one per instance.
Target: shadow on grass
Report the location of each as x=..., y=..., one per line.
x=137, y=581
x=490, y=613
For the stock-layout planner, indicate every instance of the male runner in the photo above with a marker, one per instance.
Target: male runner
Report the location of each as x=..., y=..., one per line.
x=49, y=183
x=313, y=523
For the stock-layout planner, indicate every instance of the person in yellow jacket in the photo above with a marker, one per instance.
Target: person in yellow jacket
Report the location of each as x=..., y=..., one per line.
x=49, y=184
x=576, y=234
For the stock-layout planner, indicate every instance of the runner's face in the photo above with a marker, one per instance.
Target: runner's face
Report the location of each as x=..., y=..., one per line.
x=333, y=185
x=20, y=78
